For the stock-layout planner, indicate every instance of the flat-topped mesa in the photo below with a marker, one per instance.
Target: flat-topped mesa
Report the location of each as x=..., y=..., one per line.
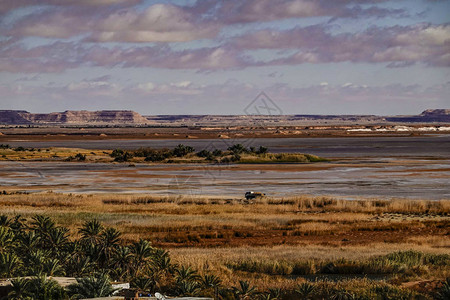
x=14, y=117
x=427, y=116
x=87, y=117
x=128, y=117
x=82, y=117
x=436, y=112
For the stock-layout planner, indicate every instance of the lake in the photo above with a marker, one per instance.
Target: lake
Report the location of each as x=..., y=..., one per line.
x=411, y=167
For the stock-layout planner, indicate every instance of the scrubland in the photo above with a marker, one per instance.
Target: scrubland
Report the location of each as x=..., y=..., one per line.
x=335, y=244
x=181, y=154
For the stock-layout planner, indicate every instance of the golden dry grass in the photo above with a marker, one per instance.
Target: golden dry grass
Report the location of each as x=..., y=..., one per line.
x=205, y=221
x=215, y=259
x=208, y=233
x=52, y=154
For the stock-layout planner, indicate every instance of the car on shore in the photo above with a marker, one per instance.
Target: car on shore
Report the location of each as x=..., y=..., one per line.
x=253, y=195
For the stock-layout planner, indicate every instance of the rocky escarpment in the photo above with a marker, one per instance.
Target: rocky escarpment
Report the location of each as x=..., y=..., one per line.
x=429, y=115
x=436, y=112
x=14, y=117
x=83, y=117
x=107, y=117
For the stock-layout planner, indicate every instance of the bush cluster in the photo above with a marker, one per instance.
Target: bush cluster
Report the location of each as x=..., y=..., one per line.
x=78, y=157
x=233, y=153
x=121, y=156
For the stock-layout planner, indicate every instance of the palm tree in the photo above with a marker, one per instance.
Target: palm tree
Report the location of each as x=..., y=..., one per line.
x=78, y=265
x=58, y=237
x=53, y=267
x=17, y=224
x=110, y=239
x=6, y=238
x=161, y=261
x=444, y=292
x=188, y=288
x=142, y=252
x=244, y=291
x=210, y=284
x=145, y=284
x=342, y=294
x=42, y=224
x=186, y=274
x=90, y=231
x=91, y=287
x=161, y=267
x=28, y=241
x=272, y=294
x=9, y=264
x=265, y=296
x=210, y=281
x=93, y=251
x=5, y=221
x=46, y=289
x=35, y=261
x=122, y=262
x=19, y=289
x=305, y=290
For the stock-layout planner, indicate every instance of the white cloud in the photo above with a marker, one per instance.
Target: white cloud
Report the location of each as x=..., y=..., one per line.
x=182, y=84
x=149, y=86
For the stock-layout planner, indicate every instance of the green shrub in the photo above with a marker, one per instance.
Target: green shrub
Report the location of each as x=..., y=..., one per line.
x=116, y=153
x=155, y=157
x=217, y=152
x=204, y=153
x=238, y=149
x=80, y=157
x=182, y=150
x=121, y=156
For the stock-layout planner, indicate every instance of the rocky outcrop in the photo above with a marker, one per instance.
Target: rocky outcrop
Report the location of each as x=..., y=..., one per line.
x=429, y=115
x=14, y=117
x=117, y=117
x=436, y=112
x=82, y=117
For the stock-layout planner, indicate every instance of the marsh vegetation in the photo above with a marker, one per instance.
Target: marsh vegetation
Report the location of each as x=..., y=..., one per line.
x=317, y=246
x=180, y=154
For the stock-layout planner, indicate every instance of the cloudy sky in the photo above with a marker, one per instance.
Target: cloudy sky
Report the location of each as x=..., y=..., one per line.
x=215, y=57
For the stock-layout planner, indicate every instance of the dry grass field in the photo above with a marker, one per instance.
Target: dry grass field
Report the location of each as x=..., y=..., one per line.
x=272, y=242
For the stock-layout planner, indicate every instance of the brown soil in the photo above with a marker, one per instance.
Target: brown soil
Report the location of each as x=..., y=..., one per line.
x=258, y=237
x=60, y=134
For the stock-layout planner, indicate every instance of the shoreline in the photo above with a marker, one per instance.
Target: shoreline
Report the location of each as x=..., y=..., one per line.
x=222, y=133
x=346, y=178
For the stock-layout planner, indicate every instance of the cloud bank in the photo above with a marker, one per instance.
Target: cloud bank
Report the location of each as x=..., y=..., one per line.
x=207, y=39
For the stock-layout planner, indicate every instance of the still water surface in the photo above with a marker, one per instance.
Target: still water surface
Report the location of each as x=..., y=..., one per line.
x=412, y=167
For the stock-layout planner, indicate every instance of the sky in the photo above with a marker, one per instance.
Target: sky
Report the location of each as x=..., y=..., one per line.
x=383, y=57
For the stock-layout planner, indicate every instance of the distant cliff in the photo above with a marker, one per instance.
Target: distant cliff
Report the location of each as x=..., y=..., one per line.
x=118, y=117
x=13, y=117
x=429, y=115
